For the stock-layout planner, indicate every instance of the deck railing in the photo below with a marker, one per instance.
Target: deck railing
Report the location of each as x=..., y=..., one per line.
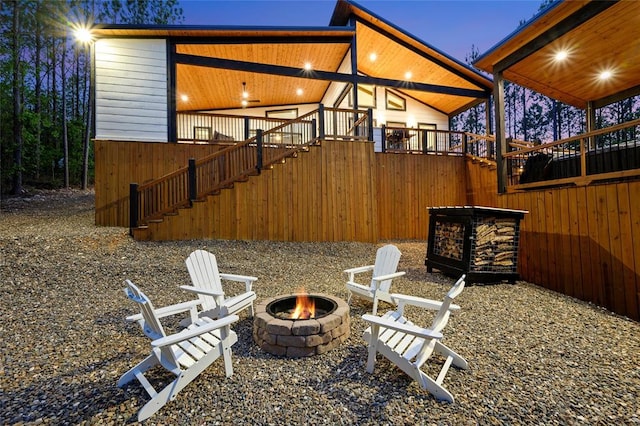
x=208, y=175
x=612, y=152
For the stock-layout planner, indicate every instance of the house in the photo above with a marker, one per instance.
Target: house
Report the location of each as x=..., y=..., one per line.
x=166, y=94
x=320, y=134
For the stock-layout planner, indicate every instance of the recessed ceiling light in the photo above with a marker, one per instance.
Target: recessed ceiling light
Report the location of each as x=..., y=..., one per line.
x=561, y=55
x=299, y=92
x=408, y=75
x=605, y=75
x=373, y=57
x=244, y=102
x=184, y=98
x=307, y=66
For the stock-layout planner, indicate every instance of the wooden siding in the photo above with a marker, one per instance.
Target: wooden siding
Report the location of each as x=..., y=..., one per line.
x=131, y=89
x=408, y=184
x=579, y=241
x=120, y=163
x=325, y=194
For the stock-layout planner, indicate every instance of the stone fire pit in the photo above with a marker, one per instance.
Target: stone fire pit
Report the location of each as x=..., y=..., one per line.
x=294, y=338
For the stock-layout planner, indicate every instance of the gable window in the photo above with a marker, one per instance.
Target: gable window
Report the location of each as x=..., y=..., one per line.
x=366, y=96
x=394, y=102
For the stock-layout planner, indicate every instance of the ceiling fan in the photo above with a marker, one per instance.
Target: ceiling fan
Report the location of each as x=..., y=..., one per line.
x=245, y=95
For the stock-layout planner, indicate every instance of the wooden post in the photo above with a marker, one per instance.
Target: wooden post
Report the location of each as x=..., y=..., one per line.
x=370, y=124
x=501, y=147
x=314, y=130
x=321, y=121
x=259, y=149
x=193, y=183
x=133, y=207
x=384, y=138
x=246, y=128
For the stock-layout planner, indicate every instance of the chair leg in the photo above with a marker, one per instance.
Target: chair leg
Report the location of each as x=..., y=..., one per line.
x=140, y=368
x=447, y=352
x=373, y=348
x=435, y=389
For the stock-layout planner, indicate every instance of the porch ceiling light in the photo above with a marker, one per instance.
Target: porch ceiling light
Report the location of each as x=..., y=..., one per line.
x=605, y=75
x=307, y=66
x=245, y=94
x=373, y=57
x=561, y=55
x=299, y=92
x=408, y=75
x=184, y=98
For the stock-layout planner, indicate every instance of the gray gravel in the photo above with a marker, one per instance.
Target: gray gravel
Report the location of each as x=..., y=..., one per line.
x=536, y=357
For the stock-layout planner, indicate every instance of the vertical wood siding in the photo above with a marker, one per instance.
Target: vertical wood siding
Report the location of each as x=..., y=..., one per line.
x=580, y=241
x=131, y=89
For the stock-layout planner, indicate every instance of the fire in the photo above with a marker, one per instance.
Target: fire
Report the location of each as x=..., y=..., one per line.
x=305, y=307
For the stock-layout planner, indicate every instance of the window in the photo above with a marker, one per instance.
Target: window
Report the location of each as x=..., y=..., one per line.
x=428, y=139
x=201, y=133
x=366, y=96
x=394, y=102
x=287, y=114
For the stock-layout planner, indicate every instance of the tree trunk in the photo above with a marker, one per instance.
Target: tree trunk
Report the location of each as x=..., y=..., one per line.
x=17, y=107
x=65, y=136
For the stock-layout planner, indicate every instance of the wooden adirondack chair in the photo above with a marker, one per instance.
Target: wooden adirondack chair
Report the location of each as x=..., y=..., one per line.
x=186, y=354
x=383, y=272
x=207, y=284
x=409, y=346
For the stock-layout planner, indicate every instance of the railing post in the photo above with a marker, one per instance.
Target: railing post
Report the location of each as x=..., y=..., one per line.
x=370, y=124
x=259, y=149
x=133, y=207
x=247, y=127
x=321, y=121
x=384, y=138
x=314, y=130
x=425, y=136
x=193, y=183
x=464, y=143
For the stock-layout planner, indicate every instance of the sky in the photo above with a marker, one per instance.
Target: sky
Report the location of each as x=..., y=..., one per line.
x=451, y=26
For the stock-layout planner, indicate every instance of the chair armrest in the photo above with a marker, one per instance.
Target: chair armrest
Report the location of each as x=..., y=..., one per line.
x=168, y=310
x=358, y=270
x=194, y=332
x=405, y=328
x=420, y=302
x=388, y=276
x=201, y=291
x=246, y=279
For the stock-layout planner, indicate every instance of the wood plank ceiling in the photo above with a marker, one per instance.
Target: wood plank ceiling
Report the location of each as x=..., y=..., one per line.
x=608, y=41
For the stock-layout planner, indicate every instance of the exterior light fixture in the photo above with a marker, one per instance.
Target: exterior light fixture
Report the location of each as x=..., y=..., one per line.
x=408, y=75
x=244, y=102
x=605, y=75
x=83, y=35
x=299, y=92
x=184, y=98
x=307, y=66
x=245, y=94
x=373, y=57
x=561, y=55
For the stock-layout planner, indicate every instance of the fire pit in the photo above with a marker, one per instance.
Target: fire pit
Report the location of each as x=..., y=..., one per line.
x=300, y=325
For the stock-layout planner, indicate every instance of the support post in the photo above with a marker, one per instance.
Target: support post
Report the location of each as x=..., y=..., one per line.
x=321, y=121
x=314, y=129
x=501, y=146
x=370, y=124
x=259, y=149
x=384, y=138
x=193, y=183
x=133, y=207
x=246, y=128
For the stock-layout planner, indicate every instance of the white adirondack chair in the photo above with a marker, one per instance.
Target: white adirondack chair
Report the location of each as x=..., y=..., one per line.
x=207, y=284
x=186, y=354
x=383, y=272
x=409, y=346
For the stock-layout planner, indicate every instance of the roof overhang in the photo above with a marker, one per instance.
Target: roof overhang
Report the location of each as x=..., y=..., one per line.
x=597, y=36
x=214, y=62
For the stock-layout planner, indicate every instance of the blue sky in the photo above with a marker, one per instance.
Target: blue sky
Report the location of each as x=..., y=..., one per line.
x=451, y=26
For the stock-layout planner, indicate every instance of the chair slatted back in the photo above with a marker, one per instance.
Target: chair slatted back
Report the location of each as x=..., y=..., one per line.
x=387, y=260
x=151, y=326
x=203, y=269
x=442, y=317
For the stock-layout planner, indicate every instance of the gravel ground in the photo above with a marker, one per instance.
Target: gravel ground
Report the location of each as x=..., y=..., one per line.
x=536, y=357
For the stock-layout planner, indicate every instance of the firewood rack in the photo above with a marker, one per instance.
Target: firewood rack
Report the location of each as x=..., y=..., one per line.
x=481, y=242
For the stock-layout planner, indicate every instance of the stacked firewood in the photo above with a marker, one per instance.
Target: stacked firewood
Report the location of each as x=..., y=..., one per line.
x=495, y=243
x=449, y=240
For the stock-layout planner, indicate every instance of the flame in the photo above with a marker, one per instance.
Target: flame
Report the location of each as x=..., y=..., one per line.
x=305, y=307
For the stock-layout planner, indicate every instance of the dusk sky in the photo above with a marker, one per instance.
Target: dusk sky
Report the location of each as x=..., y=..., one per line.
x=451, y=26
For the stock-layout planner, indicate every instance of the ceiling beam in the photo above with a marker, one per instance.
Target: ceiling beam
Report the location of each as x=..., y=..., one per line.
x=571, y=22
x=229, y=64
x=607, y=100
